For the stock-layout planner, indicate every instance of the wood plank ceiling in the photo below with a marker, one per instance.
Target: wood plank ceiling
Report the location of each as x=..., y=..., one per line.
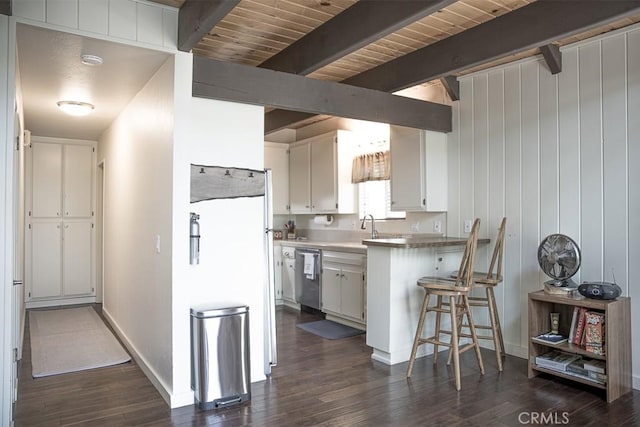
x=256, y=30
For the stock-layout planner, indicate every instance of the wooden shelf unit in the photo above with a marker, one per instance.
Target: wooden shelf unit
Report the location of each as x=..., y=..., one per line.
x=617, y=338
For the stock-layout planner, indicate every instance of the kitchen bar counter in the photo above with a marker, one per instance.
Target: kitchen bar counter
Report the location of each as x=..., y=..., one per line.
x=420, y=242
x=353, y=247
x=394, y=299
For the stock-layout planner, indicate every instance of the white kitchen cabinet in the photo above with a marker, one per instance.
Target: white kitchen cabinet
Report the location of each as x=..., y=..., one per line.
x=320, y=174
x=418, y=170
x=277, y=273
x=288, y=275
x=276, y=158
x=343, y=285
x=60, y=252
x=300, y=178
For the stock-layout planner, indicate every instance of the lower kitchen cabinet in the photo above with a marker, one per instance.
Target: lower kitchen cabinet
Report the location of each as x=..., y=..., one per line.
x=288, y=276
x=277, y=274
x=343, y=285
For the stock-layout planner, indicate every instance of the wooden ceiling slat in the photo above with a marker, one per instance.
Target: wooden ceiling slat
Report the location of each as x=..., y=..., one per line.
x=266, y=30
x=347, y=32
x=197, y=18
x=295, y=10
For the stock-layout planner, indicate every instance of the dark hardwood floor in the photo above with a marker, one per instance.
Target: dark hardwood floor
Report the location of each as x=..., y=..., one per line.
x=329, y=383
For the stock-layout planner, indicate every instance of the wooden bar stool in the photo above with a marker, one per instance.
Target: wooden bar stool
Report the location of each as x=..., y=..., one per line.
x=488, y=281
x=457, y=292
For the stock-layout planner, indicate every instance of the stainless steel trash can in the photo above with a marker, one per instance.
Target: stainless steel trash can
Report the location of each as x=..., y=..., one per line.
x=220, y=368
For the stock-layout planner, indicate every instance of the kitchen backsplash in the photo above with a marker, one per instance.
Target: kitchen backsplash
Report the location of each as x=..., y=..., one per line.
x=347, y=227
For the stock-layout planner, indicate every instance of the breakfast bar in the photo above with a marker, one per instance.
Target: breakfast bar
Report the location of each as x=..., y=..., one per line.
x=393, y=298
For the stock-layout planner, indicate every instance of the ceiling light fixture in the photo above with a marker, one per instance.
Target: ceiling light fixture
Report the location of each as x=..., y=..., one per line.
x=87, y=59
x=75, y=108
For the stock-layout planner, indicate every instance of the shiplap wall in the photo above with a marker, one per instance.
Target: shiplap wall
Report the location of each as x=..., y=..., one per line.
x=136, y=22
x=554, y=154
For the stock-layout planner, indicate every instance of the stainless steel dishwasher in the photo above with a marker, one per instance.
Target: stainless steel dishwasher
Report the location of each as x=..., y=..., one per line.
x=308, y=277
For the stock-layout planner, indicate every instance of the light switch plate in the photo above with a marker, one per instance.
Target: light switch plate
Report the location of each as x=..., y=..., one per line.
x=437, y=226
x=467, y=225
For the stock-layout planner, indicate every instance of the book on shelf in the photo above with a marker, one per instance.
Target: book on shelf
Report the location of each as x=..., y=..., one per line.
x=574, y=320
x=564, y=291
x=557, y=360
x=550, y=338
x=594, y=332
x=595, y=365
x=576, y=368
x=579, y=331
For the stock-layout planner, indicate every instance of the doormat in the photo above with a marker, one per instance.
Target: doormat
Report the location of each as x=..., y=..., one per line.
x=70, y=340
x=329, y=330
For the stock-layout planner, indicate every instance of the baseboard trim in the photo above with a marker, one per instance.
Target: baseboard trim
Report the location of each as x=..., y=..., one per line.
x=162, y=388
x=60, y=302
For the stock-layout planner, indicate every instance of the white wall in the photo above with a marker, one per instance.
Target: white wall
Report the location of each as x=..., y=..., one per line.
x=135, y=22
x=231, y=259
x=554, y=154
x=137, y=150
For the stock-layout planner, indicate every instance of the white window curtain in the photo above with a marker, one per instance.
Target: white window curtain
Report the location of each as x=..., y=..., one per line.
x=371, y=167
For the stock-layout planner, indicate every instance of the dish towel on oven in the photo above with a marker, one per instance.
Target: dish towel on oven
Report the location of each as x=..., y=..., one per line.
x=309, y=266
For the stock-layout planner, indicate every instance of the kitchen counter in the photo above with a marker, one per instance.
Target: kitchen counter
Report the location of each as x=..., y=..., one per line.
x=394, y=300
x=353, y=247
x=420, y=242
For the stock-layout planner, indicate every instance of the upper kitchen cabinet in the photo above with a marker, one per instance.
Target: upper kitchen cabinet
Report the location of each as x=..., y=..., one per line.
x=418, y=170
x=320, y=174
x=276, y=158
x=62, y=180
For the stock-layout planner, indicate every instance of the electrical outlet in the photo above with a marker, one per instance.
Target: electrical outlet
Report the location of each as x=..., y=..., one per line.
x=437, y=226
x=467, y=225
x=415, y=227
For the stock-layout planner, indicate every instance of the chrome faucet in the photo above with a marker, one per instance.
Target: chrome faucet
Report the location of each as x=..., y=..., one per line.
x=374, y=232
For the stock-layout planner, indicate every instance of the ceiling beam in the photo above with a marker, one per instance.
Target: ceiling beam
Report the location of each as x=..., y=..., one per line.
x=197, y=17
x=536, y=24
x=553, y=57
x=452, y=86
x=359, y=25
x=242, y=83
x=5, y=7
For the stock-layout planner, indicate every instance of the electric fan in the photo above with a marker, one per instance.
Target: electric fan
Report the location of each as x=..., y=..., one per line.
x=559, y=258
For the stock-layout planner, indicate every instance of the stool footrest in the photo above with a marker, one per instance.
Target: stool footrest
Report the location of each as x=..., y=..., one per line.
x=466, y=347
x=433, y=340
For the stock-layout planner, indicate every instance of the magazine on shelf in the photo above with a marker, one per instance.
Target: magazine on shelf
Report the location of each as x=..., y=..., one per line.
x=576, y=369
x=597, y=366
x=550, y=338
x=558, y=360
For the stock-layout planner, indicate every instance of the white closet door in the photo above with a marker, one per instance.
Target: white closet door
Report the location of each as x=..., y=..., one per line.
x=77, y=175
x=46, y=260
x=46, y=180
x=77, y=258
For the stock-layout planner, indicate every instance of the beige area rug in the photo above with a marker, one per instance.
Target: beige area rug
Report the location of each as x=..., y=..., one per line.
x=70, y=340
